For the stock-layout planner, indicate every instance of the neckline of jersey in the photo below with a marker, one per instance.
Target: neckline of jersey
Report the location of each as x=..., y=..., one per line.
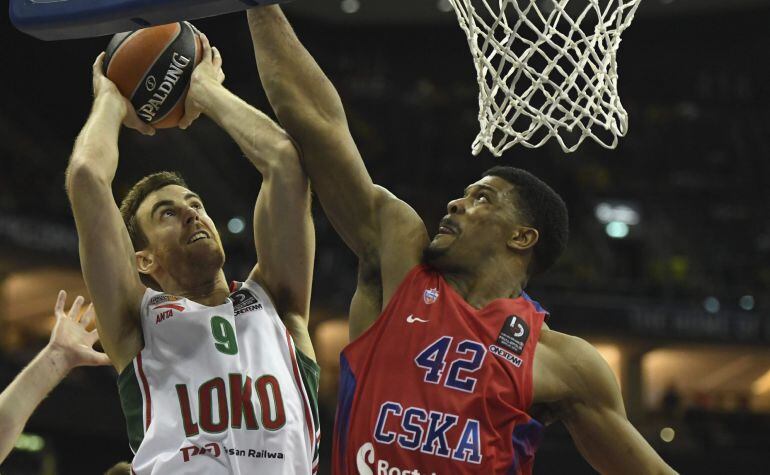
x=522, y=296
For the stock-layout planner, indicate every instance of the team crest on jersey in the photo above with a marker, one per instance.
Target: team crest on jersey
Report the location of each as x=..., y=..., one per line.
x=162, y=298
x=514, y=334
x=244, y=301
x=430, y=296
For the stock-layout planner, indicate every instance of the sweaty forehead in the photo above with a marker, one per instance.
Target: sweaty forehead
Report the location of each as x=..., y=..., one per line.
x=496, y=183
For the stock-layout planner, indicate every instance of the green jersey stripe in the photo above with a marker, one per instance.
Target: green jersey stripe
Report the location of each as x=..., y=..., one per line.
x=310, y=373
x=133, y=405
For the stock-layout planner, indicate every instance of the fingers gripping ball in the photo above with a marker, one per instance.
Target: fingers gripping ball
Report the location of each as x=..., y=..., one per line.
x=152, y=68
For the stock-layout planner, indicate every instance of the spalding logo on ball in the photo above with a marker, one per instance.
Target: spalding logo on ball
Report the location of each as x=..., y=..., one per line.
x=152, y=68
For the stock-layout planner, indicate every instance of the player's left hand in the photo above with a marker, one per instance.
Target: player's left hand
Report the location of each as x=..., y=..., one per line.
x=70, y=339
x=207, y=73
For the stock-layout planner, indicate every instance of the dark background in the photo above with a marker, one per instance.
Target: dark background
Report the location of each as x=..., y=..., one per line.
x=695, y=165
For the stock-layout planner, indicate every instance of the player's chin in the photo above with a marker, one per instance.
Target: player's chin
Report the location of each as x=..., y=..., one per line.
x=437, y=248
x=442, y=241
x=207, y=249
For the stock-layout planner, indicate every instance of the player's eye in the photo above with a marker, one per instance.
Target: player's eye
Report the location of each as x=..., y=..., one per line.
x=168, y=212
x=197, y=206
x=483, y=198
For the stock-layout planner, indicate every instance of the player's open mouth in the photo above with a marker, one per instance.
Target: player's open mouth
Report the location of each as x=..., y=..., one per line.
x=446, y=226
x=198, y=236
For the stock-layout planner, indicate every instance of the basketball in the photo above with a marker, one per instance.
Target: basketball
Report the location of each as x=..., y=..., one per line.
x=152, y=68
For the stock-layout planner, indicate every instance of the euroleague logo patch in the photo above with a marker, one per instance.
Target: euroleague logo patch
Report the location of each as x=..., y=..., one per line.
x=244, y=301
x=430, y=296
x=514, y=334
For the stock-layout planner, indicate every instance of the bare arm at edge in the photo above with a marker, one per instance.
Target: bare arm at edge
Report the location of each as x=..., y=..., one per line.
x=596, y=418
x=309, y=107
x=385, y=233
x=283, y=227
x=107, y=256
x=70, y=345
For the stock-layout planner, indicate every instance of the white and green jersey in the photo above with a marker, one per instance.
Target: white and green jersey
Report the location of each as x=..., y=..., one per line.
x=219, y=390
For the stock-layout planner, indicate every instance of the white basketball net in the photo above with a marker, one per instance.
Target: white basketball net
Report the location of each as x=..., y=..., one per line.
x=546, y=69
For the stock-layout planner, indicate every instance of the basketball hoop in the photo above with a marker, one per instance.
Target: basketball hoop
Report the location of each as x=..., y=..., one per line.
x=546, y=69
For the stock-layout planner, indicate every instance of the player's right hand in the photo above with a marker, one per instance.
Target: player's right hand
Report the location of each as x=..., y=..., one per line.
x=104, y=88
x=70, y=338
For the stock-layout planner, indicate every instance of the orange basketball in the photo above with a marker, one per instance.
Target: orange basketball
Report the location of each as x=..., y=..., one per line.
x=152, y=68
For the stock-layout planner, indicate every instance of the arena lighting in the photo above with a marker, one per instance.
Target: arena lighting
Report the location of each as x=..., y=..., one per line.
x=711, y=304
x=236, y=225
x=611, y=354
x=762, y=384
x=444, y=6
x=746, y=302
x=667, y=434
x=350, y=6
x=607, y=212
x=616, y=229
x=30, y=443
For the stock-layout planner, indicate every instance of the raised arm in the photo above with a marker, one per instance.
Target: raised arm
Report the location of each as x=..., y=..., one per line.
x=283, y=227
x=310, y=109
x=70, y=346
x=106, y=254
x=596, y=418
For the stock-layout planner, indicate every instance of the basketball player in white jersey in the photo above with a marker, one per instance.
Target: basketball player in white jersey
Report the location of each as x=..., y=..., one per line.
x=213, y=378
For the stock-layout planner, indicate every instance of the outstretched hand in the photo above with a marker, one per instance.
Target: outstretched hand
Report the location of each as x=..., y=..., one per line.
x=70, y=338
x=103, y=87
x=208, y=71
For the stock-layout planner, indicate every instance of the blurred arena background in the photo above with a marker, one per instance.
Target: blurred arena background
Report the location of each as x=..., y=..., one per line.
x=667, y=271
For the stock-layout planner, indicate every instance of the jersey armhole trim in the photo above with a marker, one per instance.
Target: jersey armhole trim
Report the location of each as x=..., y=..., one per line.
x=307, y=386
x=311, y=376
x=132, y=404
x=408, y=278
x=258, y=287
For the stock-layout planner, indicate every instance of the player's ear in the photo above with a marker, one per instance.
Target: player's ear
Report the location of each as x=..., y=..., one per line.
x=145, y=262
x=523, y=238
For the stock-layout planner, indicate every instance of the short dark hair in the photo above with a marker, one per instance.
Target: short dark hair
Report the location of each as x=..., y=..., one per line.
x=136, y=195
x=543, y=209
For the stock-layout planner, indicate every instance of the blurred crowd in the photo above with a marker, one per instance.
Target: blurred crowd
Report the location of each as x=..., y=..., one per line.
x=694, y=163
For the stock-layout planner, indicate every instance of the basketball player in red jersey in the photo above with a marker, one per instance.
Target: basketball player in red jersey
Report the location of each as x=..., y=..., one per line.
x=451, y=368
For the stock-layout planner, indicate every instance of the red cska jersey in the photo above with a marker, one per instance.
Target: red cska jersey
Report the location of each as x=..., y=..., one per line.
x=436, y=386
